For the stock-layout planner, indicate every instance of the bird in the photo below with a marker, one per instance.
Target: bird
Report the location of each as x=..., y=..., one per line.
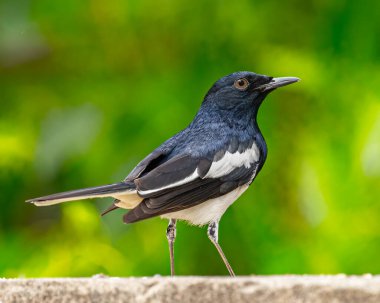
x=199, y=172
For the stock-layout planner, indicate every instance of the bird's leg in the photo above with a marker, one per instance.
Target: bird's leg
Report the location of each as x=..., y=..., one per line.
x=170, y=235
x=212, y=233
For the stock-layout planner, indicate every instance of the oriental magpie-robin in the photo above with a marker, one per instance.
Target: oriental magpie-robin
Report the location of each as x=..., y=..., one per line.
x=199, y=172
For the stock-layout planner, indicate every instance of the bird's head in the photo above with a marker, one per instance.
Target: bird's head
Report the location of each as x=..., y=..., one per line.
x=244, y=90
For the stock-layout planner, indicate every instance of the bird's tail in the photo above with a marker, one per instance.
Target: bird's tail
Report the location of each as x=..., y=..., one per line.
x=113, y=190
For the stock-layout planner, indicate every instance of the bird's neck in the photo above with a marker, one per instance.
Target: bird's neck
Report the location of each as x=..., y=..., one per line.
x=220, y=123
x=241, y=117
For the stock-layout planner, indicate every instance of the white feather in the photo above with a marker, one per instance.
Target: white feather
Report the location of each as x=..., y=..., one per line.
x=231, y=161
x=206, y=212
x=190, y=178
x=128, y=200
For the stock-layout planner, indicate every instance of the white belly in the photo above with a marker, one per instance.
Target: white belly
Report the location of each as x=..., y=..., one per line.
x=210, y=210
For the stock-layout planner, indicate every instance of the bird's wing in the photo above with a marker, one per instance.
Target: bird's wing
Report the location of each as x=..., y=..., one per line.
x=185, y=181
x=156, y=158
x=147, y=164
x=177, y=171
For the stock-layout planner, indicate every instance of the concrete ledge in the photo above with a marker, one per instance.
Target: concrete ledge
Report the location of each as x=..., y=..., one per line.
x=253, y=289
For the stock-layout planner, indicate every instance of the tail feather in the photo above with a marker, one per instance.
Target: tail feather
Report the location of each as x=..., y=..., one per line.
x=111, y=190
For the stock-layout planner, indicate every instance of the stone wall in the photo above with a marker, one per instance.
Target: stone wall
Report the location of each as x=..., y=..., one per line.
x=253, y=289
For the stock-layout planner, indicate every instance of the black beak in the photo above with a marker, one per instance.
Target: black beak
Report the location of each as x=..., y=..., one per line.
x=277, y=82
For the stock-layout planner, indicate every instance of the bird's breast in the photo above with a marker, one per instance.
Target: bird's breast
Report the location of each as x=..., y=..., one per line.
x=208, y=211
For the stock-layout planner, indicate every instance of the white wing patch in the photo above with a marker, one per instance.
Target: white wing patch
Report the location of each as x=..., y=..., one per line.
x=190, y=178
x=230, y=161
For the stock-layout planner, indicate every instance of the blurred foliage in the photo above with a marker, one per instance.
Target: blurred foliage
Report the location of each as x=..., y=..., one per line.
x=88, y=88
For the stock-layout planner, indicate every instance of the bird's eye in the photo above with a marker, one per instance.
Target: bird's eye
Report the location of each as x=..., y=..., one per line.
x=241, y=84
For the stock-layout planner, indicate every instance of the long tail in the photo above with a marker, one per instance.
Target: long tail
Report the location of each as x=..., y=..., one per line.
x=112, y=190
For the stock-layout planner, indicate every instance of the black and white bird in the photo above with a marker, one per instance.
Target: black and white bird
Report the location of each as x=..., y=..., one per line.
x=199, y=172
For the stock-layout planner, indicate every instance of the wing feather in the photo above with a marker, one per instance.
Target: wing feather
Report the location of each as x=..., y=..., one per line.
x=184, y=181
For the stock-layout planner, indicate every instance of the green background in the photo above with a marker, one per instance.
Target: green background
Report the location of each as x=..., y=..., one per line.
x=88, y=88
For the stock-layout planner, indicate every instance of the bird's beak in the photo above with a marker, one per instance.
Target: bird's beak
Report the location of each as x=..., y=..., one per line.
x=277, y=82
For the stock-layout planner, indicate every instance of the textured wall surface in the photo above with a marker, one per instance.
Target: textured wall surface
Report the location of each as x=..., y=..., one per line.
x=252, y=289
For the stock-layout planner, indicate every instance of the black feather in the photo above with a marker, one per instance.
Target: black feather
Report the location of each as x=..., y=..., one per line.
x=98, y=190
